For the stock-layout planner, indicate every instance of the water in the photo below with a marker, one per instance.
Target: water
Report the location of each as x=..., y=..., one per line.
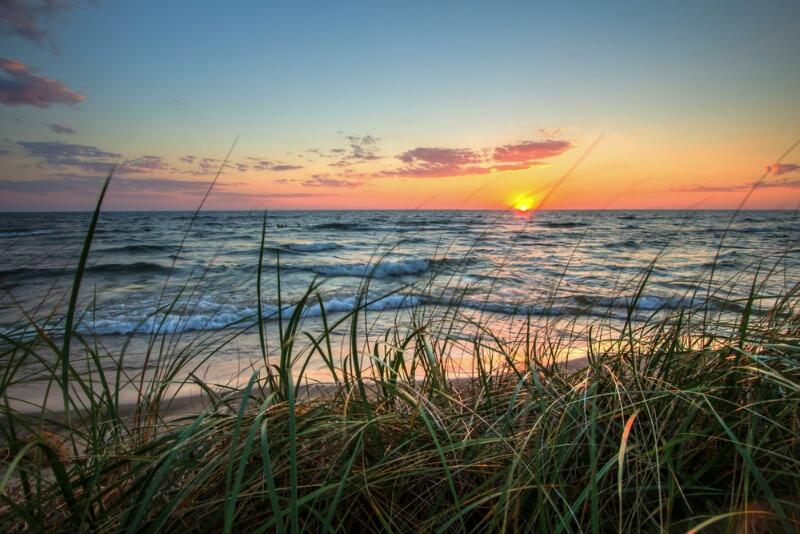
x=499, y=263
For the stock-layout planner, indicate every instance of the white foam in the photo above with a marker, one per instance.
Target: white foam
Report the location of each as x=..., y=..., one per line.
x=381, y=270
x=206, y=316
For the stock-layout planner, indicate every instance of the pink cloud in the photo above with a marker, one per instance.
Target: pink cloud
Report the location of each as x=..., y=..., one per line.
x=440, y=156
x=531, y=150
x=19, y=86
x=427, y=162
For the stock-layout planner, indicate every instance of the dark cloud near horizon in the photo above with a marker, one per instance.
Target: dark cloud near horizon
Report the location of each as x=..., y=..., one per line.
x=68, y=183
x=71, y=158
x=20, y=86
x=789, y=183
x=62, y=128
x=57, y=154
x=90, y=186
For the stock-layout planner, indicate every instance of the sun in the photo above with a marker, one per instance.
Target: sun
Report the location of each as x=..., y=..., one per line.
x=523, y=203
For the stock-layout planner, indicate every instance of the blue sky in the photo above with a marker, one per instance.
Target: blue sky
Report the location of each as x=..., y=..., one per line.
x=177, y=78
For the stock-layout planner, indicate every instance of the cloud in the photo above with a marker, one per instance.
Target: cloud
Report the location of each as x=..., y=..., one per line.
x=261, y=164
x=284, y=167
x=324, y=180
x=144, y=164
x=90, y=185
x=552, y=132
x=72, y=156
x=61, y=128
x=24, y=17
x=427, y=162
x=531, y=150
x=777, y=169
x=19, y=86
x=438, y=162
x=702, y=188
x=440, y=156
x=787, y=183
x=204, y=166
x=362, y=148
x=253, y=196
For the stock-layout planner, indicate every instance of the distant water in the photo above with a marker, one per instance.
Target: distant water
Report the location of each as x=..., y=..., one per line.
x=501, y=263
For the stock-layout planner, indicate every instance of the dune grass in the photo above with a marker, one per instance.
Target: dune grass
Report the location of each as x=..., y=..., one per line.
x=684, y=419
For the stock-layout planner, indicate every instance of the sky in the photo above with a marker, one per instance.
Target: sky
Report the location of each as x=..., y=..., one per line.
x=399, y=105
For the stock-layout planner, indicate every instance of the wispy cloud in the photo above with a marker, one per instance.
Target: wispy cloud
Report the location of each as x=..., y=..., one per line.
x=261, y=164
x=776, y=169
x=280, y=167
x=788, y=183
x=324, y=180
x=552, y=132
x=26, y=18
x=62, y=128
x=20, y=86
x=144, y=164
x=361, y=148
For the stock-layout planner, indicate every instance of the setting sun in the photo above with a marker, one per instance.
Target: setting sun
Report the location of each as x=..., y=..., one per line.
x=523, y=203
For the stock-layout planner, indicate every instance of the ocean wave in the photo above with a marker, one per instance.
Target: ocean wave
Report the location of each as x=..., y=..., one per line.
x=557, y=224
x=9, y=234
x=385, y=269
x=138, y=249
x=645, y=303
x=210, y=317
x=310, y=247
x=628, y=243
x=139, y=267
x=339, y=226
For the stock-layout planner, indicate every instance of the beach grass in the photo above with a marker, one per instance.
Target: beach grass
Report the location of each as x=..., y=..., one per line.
x=686, y=419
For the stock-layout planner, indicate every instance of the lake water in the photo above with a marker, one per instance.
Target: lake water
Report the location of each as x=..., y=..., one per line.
x=552, y=263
